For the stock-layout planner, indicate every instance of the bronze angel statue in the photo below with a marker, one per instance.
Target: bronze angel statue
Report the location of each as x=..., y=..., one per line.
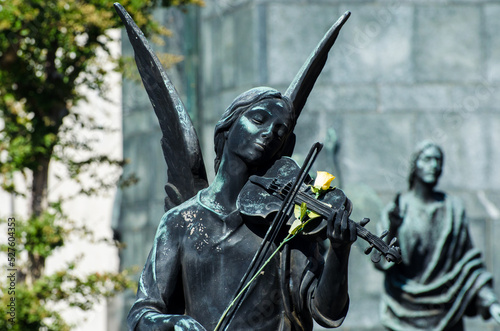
x=212, y=241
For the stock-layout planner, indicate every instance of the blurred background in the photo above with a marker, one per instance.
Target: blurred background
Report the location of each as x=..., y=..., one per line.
x=400, y=72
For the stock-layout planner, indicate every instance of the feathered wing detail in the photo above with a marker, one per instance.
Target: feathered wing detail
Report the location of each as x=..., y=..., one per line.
x=186, y=173
x=302, y=84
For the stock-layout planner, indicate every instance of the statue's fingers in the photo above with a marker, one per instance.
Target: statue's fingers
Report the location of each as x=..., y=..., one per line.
x=344, y=227
x=329, y=224
x=352, y=232
x=337, y=224
x=495, y=312
x=496, y=317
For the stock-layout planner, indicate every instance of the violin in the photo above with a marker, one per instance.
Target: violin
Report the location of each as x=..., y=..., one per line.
x=264, y=195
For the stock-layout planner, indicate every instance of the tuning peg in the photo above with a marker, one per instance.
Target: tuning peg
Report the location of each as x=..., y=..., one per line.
x=375, y=257
x=364, y=221
x=368, y=250
x=393, y=242
x=382, y=236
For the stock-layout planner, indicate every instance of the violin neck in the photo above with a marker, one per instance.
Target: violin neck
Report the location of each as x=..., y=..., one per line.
x=325, y=210
x=314, y=205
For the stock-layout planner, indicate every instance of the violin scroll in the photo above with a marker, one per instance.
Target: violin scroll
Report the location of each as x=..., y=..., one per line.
x=392, y=253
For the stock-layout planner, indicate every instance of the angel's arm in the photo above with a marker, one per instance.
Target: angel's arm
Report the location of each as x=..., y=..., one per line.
x=160, y=303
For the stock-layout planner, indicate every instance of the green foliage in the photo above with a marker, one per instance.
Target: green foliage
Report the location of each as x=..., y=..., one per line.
x=36, y=304
x=48, y=51
x=41, y=235
x=51, y=51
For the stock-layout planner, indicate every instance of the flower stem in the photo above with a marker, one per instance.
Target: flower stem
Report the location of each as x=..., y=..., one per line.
x=287, y=238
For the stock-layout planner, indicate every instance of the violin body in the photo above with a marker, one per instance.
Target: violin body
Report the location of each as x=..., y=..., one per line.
x=257, y=199
x=263, y=195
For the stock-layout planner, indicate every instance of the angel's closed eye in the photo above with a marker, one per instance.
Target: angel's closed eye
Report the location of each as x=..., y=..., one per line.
x=258, y=118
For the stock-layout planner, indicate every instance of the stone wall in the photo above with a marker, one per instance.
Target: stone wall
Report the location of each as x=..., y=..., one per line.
x=400, y=72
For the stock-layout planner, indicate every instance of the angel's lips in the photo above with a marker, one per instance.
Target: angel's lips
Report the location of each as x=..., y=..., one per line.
x=260, y=146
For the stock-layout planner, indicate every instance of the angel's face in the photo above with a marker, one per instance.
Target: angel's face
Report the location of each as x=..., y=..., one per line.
x=260, y=131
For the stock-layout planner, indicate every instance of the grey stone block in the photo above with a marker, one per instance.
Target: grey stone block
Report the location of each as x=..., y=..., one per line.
x=139, y=152
x=447, y=43
x=479, y=233
x=134, y=97
x=156, y=211
x=217, y=8
x=424, y=97
x=375, y=149
x=229, y=44
x=293, y=31
x=375, y=45
x=493, y=120
x=246, y=44
x=207, y=60
x=468, y=147
x=492, y=41
x=333, y=98
x=215, y=81
x=306, y=133
x=470, y=98
x=138, y=122
x=134, y=218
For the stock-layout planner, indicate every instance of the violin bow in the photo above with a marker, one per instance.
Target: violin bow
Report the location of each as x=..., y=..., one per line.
x=283, y=214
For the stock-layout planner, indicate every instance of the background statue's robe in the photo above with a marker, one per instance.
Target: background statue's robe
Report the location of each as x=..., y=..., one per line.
x=441, y=274
x=197, y=261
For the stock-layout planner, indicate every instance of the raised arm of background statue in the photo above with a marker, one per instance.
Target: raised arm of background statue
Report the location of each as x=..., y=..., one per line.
x=331, y=298
x=487, y=303
x=391, y=219
x=395, y=217
x=157, y=303
x=495, y=311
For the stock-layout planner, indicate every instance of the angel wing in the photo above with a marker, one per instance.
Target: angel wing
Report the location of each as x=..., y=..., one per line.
x=302, y=84
x=299, y=89
x=186, y=173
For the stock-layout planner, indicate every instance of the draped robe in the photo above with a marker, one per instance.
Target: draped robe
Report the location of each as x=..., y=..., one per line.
x=195, y=266
x=442, y=276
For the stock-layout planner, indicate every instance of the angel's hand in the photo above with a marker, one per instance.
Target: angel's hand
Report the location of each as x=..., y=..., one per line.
x=340, y=230
x=495, y=311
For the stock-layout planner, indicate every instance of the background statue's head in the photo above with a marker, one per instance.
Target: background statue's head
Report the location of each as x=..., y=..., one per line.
x=426, y=163
x=238, y=107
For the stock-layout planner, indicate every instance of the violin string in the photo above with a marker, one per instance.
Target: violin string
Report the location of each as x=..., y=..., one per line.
x=272, y=233
x=363, y=233
x=295, y=189
x=317, y=206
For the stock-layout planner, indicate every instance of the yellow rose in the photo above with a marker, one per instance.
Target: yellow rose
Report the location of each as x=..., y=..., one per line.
x=323, y=180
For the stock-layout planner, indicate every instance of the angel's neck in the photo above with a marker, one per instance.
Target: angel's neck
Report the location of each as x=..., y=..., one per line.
x=227, y=184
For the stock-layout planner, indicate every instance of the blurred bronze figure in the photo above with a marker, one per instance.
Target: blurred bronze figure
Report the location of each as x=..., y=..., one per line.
x=442, y=276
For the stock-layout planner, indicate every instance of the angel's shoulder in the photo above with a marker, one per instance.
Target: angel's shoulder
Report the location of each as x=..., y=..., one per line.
x=178, y=216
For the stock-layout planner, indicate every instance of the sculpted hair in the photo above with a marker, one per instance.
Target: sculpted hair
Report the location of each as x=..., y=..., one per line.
x=239, y=105
x=418, y=151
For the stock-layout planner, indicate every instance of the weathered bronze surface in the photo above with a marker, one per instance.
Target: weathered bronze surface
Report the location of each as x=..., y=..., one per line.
x=204, y=245
x=442, y=276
